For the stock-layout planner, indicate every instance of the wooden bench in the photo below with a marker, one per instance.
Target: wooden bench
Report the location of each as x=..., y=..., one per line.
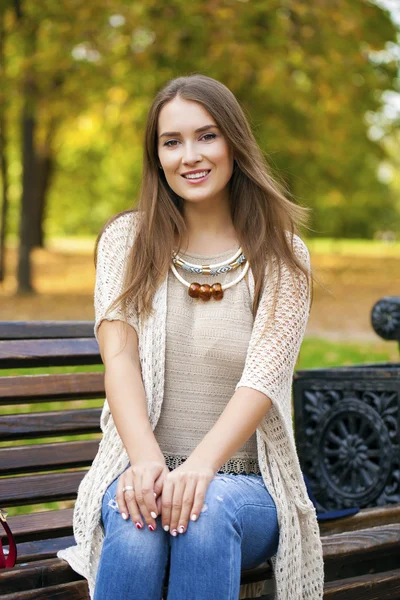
x=361, y=553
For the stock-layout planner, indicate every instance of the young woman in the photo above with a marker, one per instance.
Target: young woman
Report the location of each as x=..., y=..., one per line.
x=202, y=298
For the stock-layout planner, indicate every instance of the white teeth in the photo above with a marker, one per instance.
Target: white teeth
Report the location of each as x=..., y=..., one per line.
x=196, y=175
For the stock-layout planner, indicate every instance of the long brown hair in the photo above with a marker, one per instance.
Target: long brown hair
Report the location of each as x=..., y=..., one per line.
x=260, y=209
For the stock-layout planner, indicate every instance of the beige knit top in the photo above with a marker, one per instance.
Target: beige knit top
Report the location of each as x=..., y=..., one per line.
x=206, y=346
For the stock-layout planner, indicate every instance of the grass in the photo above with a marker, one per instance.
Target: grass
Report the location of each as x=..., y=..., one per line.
x=321, y=353
x=353, y=247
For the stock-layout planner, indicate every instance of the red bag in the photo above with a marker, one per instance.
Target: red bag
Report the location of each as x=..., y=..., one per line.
x=9, y=559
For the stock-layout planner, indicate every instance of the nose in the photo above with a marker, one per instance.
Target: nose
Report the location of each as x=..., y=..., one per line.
x=190, y=155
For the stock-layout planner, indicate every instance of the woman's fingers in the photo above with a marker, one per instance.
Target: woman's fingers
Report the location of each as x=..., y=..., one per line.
x=183, y=496
x=158, y=484
x=187, y=504
x=122, y=506
x=140, y=494
x=126, y=500
x=142, y=500
x=149, y=499
x=176, y=507
x=130, y=500
x=159, y=504
x=167, y=493
x=158, y=487
x=199, y=496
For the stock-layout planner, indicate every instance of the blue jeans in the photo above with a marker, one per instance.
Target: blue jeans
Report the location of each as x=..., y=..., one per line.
x=236, y=529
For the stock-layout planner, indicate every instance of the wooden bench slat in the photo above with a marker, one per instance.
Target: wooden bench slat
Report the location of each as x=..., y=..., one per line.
x=34, y=489
x=25, y=330
x=46, y=353
x=380, y=586
x=75, y=590
x=43, y=457
x=40, y=525
x=364, y=519
x=41, y=549
x=60, y=386
x=36, y=574
x=376, y=586
x=354, y=553
x=364, y=543
x=48, y=424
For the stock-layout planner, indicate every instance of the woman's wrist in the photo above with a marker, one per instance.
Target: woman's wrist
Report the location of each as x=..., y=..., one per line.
x=195, y=459
x=145, y=449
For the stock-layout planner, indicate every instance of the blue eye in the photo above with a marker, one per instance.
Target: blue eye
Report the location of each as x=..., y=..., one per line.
x=213, y=135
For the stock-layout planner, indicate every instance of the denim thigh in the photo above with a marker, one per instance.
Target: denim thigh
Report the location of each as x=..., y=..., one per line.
x=238, y=512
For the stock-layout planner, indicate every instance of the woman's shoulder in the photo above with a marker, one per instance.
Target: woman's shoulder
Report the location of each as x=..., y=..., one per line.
x=298, y=246
x=122, y=221
x=298, y=242
x=120, y=227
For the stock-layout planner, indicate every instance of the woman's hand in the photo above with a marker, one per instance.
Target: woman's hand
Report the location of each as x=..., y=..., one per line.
x=183, y=494
x=147, y=479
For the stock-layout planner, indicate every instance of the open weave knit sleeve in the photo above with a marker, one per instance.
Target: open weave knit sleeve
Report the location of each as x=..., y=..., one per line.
x=112, y=251
x=272, y=355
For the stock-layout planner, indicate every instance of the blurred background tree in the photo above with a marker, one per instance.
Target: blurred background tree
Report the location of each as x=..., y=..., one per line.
x=77, y=80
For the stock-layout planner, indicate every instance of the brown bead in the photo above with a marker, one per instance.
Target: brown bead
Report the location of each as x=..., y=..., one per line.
x=217, y=291
x=194, y=289
x=205, y=292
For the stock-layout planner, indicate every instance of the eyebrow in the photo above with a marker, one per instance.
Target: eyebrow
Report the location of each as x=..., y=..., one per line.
x=168, y=133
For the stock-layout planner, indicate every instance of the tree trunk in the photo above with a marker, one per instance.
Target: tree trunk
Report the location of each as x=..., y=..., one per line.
x=4, y=192
x=28, y=184
x=24, y=273
x=44, y=171
x=3, y=158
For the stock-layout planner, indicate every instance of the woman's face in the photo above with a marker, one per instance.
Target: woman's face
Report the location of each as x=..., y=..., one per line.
x=189, y=140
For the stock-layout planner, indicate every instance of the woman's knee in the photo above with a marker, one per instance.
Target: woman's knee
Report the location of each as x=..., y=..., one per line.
x=143, y=548
x=215, y=516
x=123, y=536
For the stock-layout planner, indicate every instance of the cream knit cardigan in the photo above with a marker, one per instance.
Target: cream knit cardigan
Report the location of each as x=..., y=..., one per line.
x=269, y=366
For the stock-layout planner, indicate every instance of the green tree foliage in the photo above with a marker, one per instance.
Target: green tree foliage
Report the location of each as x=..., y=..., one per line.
x=302, y=71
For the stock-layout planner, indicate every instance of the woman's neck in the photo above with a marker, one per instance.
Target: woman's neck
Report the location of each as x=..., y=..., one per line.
x=207, y=243
x=208, y=233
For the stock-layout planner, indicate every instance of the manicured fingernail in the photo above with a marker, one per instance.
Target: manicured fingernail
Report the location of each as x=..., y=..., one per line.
x=151, y=527
x=138, y=525
x=153, y=514
x=193, y=517
x=174, y=532
x=166, y=527
x=124, y=516
x=181, y=529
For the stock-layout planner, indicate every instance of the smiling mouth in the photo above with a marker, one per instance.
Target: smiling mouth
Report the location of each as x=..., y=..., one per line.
x=197, y=176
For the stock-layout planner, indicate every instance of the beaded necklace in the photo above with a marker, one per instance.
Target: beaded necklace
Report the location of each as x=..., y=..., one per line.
x=204, y=291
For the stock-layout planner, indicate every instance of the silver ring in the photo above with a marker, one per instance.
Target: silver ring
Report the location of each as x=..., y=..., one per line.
x=127, y=487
